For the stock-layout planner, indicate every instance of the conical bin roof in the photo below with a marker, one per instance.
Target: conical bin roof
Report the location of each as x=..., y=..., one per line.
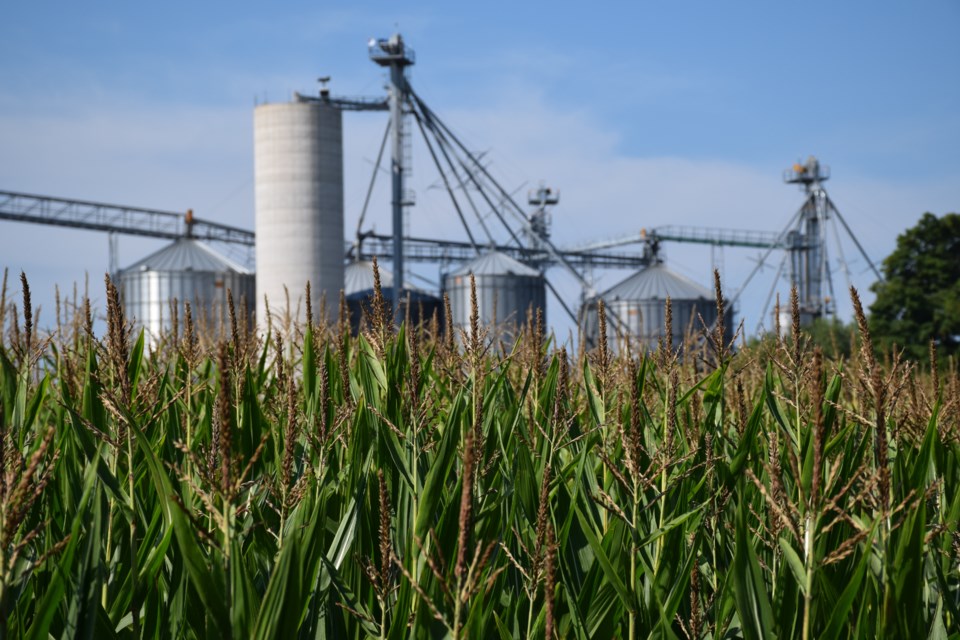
x=186, y=254
x=495, y=263
x=656, y=282
x=358, y=276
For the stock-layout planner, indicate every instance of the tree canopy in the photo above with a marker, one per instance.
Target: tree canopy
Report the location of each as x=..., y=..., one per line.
x=832, y=335
x=919, y=298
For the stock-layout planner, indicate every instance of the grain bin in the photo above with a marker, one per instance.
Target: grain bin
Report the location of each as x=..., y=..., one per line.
x=184, y=271
x=358, y=290
x=506, y=290
x=636, y=307
x=298, y=173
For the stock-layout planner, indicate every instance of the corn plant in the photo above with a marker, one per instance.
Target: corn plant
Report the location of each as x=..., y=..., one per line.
x=415, y=483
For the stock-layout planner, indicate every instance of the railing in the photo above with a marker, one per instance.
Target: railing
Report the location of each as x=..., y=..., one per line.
x=345, y=103
x=807, y=173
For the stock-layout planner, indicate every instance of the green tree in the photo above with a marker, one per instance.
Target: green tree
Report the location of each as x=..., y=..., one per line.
x=832, y=335
x=919, y=298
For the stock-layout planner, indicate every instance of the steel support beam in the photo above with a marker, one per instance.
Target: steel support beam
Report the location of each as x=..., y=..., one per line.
x=99, y=216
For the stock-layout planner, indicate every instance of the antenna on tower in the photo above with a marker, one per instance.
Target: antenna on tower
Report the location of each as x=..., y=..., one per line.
x=324, y=88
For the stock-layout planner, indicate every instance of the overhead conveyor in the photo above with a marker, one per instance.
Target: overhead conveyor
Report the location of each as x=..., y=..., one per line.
x=113, y=218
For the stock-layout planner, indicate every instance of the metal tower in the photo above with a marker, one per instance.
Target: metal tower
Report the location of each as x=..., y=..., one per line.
x=393, y=53
x=807, y=243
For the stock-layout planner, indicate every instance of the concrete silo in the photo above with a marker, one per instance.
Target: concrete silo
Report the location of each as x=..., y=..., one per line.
x=298, y=169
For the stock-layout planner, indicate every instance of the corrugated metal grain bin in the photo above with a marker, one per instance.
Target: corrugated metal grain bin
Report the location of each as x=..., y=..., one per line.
x=358, y=291
x=186, y=271
x=506, y=290
x=637, y=307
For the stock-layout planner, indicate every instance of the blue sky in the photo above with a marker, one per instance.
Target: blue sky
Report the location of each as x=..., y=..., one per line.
x=642, y=114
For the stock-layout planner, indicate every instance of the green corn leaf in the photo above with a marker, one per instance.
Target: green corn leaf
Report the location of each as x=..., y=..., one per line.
x=713, y=399
x=750, y=591
x=611, y=573
x=446, y=455
x=830, y=399
x=309, y=364
x=795, y=563
x=502, y=629
x=747, y=442
x=244, y=600
x=597, y=409
x=63, y=566
x=135, y=364
x=208, y=587
x=279, y=615
x=349, y=598
x=343, y=539
x=840, y=610
x=938, y=631
x=923, y=471
x=774, y=407
x=907, y=574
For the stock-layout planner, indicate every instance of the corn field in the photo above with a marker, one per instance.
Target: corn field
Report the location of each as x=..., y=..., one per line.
x=419, y=483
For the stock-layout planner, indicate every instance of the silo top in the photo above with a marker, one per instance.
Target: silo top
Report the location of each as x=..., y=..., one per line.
x=358, y=284
x=186, y=254
x=495, y=263
x=358, y=276
x=656, y=282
